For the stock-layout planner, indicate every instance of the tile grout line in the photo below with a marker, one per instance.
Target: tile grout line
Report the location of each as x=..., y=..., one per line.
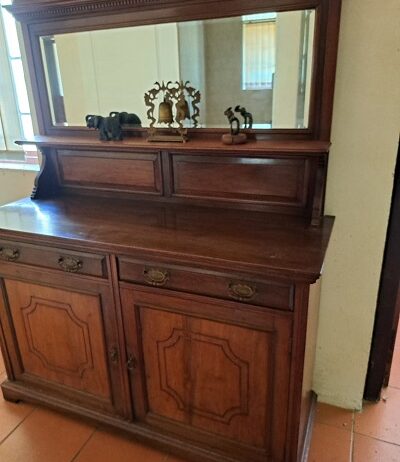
x=353, y=423
x=84, y=445
x=377, y=439
x=17, y=426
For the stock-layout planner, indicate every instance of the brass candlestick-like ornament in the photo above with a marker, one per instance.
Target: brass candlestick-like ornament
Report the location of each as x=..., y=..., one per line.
x=174, y=96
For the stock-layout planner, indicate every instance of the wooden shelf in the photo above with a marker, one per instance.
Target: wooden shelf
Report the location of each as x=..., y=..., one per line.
x=295, y=148
x=253, y=241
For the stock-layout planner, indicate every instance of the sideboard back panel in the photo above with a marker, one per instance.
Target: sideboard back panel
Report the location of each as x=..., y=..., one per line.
x=272, y=181
x=135, y=172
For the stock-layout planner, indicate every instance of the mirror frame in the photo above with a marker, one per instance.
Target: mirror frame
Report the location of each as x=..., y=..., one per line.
x=49, y=17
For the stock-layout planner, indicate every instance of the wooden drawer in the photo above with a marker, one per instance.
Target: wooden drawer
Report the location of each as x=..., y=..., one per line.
x=192, y=280
x=48, y=257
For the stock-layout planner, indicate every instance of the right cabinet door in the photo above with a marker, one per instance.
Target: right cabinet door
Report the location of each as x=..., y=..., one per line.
x=215, y=372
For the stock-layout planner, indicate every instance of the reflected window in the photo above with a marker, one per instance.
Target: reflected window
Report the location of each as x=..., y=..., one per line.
x=259, y=51
x=14, y=75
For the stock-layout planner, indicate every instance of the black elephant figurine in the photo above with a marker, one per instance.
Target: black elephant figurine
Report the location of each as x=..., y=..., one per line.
x=127, y=119
x=109, y=127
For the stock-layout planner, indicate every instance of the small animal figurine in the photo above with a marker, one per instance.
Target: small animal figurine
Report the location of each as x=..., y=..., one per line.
x=127, y=119
x=234, y=137
x=248, y=116
x=233, y=121
x=109, y=127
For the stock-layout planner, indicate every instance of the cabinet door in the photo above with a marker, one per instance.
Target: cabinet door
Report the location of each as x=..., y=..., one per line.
x=64, y=343
x=212, y=371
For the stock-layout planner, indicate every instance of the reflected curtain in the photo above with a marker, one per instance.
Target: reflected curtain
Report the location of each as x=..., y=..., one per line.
x=259, y=49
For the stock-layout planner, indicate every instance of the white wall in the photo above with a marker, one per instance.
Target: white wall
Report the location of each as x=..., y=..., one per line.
x=365, y=136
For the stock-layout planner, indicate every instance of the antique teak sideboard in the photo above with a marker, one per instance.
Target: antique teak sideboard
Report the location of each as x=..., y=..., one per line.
x=170, y=290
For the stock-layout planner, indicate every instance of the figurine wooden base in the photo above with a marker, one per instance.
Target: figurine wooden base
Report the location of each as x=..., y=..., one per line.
x=240, y=138
x=167, y=135
x=167, y=138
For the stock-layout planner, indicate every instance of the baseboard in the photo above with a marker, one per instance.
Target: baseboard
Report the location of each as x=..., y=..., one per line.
x=309, y=428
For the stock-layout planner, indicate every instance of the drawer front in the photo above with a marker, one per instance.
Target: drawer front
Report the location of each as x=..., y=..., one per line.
x=192, y=280
x=53, y=258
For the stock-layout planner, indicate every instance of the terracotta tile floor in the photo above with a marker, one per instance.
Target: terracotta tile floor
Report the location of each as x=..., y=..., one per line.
x=372, y=435
x=34, y=434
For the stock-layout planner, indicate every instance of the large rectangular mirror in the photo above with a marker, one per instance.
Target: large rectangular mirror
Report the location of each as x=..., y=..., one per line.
x=263, y=62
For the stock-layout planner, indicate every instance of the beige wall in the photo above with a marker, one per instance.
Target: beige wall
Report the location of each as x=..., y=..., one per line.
x=15, y=184
x=223, y=38
x=365, y=136
x=287, y=73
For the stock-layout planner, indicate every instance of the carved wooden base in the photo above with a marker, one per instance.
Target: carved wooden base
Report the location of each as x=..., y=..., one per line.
x=14, y=392
x=227, y=138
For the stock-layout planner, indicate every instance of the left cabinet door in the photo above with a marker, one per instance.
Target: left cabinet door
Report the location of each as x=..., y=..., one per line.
x=65, y=342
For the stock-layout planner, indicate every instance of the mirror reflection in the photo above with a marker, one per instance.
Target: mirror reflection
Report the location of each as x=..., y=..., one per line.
x=261, y=62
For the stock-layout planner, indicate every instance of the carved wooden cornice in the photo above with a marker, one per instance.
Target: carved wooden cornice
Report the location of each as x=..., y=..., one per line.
x=32, y=11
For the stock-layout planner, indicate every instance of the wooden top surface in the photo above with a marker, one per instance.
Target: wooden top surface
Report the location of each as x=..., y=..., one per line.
x=294, y=147
x=278, y=245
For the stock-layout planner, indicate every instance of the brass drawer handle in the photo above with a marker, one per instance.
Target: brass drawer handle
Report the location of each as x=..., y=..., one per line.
x=70, y=264
x=155, y=277
x=242, y=291
x=9, y=254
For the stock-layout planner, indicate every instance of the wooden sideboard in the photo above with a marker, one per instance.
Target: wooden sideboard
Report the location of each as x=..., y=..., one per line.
x=171, y=290
x=181, y=318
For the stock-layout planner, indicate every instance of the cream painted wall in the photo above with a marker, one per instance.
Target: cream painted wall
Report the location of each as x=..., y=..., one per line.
x=110, y=70
x=365, y=135
x=287, y=73
x=15, y=184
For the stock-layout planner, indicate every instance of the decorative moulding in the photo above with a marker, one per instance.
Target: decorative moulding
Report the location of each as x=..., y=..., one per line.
x=30, y=11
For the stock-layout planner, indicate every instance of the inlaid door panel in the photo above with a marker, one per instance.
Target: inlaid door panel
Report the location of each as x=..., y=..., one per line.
x=61, y=337
x=209, y=375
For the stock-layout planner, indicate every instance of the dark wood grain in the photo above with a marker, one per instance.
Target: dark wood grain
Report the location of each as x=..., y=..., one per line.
x=110, y=171
x=212, y=283
x=89, y=264
x=197, y=144
x=275, y=244
x=273, y=181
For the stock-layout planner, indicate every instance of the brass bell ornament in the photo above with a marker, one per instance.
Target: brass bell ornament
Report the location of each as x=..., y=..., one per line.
x=165, y=111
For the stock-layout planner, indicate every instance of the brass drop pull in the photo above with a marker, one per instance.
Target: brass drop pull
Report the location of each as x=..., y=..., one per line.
x=9, y=254
x=114, y=355
x=155, y=277
x=70, y=264
x=242, y=291
x=131, y=363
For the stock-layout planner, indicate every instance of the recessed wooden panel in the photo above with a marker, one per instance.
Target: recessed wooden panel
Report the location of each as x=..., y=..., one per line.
x=137, y=172
x=60, y=336
x=213, y=371
x=271, y=181
x=206, y=374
